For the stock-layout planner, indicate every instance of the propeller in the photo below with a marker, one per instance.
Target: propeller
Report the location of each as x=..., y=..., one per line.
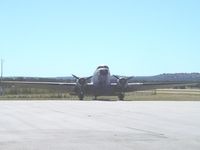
x=122, y=81
x=75, y=76
x=81, y=81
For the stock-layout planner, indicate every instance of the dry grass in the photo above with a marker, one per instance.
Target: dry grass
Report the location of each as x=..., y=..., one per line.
x=158, y=95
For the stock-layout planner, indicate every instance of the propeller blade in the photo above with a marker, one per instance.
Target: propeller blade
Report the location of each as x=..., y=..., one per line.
x=116, y=76
x=75, y=77
x=88, y=78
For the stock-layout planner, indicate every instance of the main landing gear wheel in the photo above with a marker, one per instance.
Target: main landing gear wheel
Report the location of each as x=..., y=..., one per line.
x=81, y=96
x=121, y=96
x=95, y=97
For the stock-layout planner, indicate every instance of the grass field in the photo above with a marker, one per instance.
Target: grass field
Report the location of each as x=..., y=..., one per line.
x=159, y=95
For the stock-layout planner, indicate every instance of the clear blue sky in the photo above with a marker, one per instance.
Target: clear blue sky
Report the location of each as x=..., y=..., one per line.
x=134, y=37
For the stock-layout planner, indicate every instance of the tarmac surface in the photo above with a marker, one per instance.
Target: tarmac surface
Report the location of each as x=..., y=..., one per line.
x=99, y=125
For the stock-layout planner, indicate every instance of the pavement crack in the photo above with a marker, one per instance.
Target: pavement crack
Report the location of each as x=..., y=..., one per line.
x=160, y=135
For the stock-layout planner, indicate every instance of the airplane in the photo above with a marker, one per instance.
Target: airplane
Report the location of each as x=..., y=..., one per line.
x=99, y=84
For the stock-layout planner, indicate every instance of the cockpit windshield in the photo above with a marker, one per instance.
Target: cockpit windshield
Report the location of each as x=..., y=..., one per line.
x=103, y=66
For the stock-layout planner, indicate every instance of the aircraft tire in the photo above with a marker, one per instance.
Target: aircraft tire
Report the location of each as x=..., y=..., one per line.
x=81, y=97
x=121, y=97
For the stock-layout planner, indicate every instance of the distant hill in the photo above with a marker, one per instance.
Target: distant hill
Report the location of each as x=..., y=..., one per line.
x=170, y=77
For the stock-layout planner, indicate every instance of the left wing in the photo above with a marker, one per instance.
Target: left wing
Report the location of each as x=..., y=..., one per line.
x=123, y=85
x=139, y=86
x=157, y=85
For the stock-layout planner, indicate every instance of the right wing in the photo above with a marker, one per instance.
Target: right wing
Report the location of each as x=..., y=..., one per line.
x=57, y=86
x=60, y=86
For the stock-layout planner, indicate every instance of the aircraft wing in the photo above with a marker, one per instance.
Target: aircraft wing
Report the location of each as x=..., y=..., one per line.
x=35, y=82
x=60, y=86
x=142, y=86
x=69, y=87
x=157, y=85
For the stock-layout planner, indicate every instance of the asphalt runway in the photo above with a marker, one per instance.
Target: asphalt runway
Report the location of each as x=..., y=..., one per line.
x=99, y=125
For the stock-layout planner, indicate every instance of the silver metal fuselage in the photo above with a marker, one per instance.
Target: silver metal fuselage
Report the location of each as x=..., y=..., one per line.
x=101, y=80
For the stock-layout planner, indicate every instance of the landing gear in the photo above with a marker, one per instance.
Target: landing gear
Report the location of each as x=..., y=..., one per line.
x=121, y=96
x=1, y=91
x=79, y=90
x=95, y=97
x=81, y=96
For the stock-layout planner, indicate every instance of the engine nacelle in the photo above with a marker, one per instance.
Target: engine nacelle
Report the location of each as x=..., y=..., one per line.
x=80, y=86
x=122, y=82
x=81, y=81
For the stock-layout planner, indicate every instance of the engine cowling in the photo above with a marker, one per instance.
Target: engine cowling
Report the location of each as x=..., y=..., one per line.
x=81, y=81
x=122, y=82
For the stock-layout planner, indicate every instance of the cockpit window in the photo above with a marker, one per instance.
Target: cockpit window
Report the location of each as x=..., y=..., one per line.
x=104, y=66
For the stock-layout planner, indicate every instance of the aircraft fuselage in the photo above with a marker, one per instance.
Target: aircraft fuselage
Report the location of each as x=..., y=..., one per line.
x=101, y=80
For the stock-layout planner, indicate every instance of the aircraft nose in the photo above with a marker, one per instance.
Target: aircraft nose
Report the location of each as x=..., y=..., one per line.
x=103, y=72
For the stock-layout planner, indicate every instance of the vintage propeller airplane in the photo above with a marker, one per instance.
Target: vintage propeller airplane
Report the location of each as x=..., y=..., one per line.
x=100, y=84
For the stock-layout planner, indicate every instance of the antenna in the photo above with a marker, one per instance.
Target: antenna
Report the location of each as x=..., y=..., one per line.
x=1, y=88
x=1, y=69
